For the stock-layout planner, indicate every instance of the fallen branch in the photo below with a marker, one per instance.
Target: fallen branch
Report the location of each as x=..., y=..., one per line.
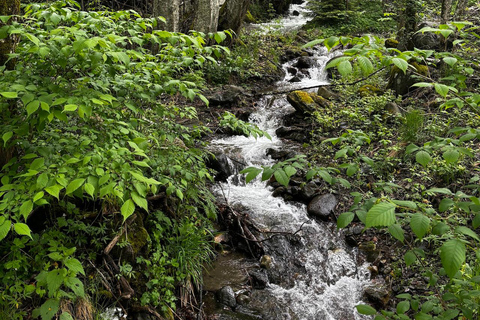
x=323, y=85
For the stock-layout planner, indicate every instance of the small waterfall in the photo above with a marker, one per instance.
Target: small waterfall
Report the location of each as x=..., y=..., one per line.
x=317, y=275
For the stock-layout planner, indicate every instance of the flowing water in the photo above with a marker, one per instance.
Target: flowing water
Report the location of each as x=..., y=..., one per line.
x=320, y=278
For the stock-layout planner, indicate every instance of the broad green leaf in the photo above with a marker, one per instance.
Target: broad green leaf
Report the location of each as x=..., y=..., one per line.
x=423, y=158
x=49, y=309
x=345, y=219
x=476, y=221
x=440, y=228
x=440, y=190
x=345, y=68
x=331, y=42
x=445, y=204
x=409, y=258
x=365, y=65
x=422, y=85
x=289, y=170
x=401, y=64
x=54, y=190
x=74, y=265
x=32, y=107
x=76, y=286
x=37, y=164
x=335, y=62
x=70, y=107
x=450, y=61
x=140, y=201
x=5, y=227
x=403, y=307
x=89, y=189
x=9, y=95
x=423, y=316
x=312, y=43
x=381, y=215
x=7, y=136
x=403, y=203
x=55, y=279
x=397, y=232
x=452, y=254
x=365, y=309
x=441, y=89
x=419, y=223
x=179, y=194
x=352, y=169
x=467, y=231
x=66, y=316
x=74, y=185
x=281, y=177
x=341, y=153
x=451, y=156
x=128, y=208
x=26, y=208
x=450, y=314
x=252, y=173
x=22, y=229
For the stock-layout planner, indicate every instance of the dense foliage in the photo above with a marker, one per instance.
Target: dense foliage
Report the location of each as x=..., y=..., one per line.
x=96, y=156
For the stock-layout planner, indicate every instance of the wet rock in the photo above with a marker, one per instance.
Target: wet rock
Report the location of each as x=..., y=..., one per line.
x=228, y=94
x=308, y=191
x=292, y=133
x=243, y=299
x=370, y=250
x=322, y=206
x=221, y=164
x=259, y=278
x=327, y=94
x=426, y=40
x=266, y=262
x=280, y=154
x=295, y=79
x=226, y=296
x=292, y=70
x=304, y=62
x=377, y=295
x=295, y=13
x=391, y=43
x=279, y=192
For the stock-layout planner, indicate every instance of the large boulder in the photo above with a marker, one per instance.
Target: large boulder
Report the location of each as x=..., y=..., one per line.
x=401, y=82
x=226, y=296
x=305, y=102
x=227, y=95
x=322, y=206
x=304, y=62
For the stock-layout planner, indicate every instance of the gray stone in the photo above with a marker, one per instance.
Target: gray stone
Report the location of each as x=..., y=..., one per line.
x=228, y=94
x=304, y=63
x=377, y=295
x=322, y=206
x=308, y=191
x=259, y=278
x=226, y=296
x=327, y=94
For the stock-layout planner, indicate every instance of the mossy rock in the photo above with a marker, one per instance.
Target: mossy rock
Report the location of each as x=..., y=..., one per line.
x=391, y=43
x=401, y=82
x=305, y=102
x=249, y=18
x=369, y=90
x=138, y=238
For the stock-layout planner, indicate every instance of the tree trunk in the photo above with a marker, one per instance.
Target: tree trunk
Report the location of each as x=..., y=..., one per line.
x=460, y=9
x=232, y=14
x=206, y=16
x=406, y=23
x=170, y=10
x=446, y=8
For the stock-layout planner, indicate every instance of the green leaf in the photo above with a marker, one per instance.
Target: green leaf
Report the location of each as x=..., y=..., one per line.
x=407, y=204
x=139, y=201
x=423, y=85
x=74, y=185
x=452, y=254
x=22, y=229
x=467, y=231
x=345, y=68
x=54, y=190
x=341, y=153
x=403, y=307
x=401, y=64
x=89, y=189
x=5, y=227
x=76, y=286
x=397, y=232
x=70, y=107
x=281, y=177
x=32, y=107
x=9, y=95
x=365, y=65
x=66, y=316
x=422, y=316
x=441, y=89
x=251, y=172
x=365, y=309
x=381, y=215
x=7, y=136
x=55, y=280
x=450, y=61
x=450, y=314
x=26, y=208
x=445, y=204
x=475, y=222
x=331, y=42
x=345, y=219
x=423, y=158
x=49, y=309
x=289, y=171
x=419, y=224
x=440, y=190
x=451, y=156
x=37, y=164
x=410, y=258
x=352, y=169
x=128, y=208
x=74, y=265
